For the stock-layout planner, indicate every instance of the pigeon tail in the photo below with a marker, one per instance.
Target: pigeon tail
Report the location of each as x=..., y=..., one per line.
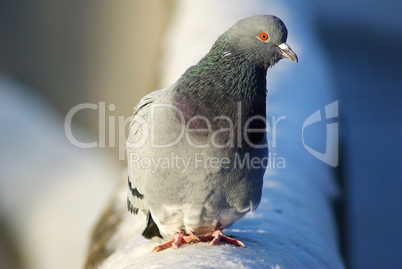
x=152, y=229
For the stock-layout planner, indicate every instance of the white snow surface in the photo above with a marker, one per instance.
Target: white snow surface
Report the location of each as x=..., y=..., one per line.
x=294, y=226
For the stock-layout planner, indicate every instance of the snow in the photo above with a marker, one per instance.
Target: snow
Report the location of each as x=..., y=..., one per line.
x=294, y=225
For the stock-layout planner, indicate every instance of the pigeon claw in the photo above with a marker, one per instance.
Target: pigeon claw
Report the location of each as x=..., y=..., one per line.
x=177, y=240
x=214, y=239
x=218, y=236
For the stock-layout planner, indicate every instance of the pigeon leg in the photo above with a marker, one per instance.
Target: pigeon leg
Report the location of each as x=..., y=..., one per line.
x=177, y=240
x=218, y=236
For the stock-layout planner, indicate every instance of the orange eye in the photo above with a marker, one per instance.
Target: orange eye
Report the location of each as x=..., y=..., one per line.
x=263, y=36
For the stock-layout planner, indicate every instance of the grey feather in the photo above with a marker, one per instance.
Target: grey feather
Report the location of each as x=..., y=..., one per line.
x=187, y=193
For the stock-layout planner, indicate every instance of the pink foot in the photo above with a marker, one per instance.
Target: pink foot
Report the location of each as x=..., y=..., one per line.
x=181, y=238
x=177, y=240
x=218, y=236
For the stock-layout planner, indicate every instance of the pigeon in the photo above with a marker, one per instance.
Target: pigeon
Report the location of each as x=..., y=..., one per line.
x=197, y=150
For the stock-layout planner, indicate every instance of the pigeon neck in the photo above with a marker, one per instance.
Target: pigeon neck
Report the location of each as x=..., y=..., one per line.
x=223, y=85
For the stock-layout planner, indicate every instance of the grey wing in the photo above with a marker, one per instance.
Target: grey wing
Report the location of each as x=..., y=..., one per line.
x=144, y=102
x=135, y=196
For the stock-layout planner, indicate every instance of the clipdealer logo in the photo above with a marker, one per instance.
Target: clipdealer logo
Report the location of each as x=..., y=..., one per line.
x=331, y=154
x=330, y=112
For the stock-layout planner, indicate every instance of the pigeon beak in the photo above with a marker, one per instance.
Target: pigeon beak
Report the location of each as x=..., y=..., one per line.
x=288, y=53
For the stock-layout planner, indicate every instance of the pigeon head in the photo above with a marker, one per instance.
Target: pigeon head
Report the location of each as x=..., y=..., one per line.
x=261, y=39
x=234, y=70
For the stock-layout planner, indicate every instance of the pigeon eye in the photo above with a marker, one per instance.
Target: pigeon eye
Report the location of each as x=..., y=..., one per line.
x=263, y=36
